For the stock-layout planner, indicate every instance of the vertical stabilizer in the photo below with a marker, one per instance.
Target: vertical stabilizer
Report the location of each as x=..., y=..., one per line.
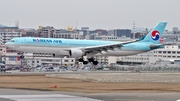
x=155, y=34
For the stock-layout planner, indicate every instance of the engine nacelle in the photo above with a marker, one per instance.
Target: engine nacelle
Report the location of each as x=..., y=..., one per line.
x=75, y=53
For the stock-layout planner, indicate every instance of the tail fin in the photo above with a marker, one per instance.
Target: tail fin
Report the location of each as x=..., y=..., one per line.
x=155, y=34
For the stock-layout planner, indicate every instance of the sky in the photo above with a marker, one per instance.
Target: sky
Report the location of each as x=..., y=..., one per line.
x=103, y=14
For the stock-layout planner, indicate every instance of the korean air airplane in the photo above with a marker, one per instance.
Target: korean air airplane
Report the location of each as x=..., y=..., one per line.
x=78, y=48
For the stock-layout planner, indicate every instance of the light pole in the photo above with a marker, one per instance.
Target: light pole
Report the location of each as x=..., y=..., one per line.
x=61, y=61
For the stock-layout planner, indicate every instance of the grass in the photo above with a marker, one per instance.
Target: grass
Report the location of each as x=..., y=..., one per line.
x=41, y=82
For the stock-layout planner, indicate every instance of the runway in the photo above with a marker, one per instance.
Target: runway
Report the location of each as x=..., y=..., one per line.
x=30, y=95
x=50, y=97
x=33, y=95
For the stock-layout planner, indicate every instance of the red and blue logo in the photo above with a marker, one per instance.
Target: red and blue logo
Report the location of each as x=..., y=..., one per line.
x=155, y=35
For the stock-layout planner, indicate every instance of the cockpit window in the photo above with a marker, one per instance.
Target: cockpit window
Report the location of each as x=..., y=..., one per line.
x=12, y=41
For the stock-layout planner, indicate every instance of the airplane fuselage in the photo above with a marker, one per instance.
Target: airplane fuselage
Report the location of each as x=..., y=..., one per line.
x=60, y=46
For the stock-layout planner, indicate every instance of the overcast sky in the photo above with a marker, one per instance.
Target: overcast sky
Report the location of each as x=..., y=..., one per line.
x=105, y=14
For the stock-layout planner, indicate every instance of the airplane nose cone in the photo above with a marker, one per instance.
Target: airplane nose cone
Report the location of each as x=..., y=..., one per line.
x=7, y=44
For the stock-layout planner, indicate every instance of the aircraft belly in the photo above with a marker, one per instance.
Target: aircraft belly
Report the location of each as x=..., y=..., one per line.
x=61, y=51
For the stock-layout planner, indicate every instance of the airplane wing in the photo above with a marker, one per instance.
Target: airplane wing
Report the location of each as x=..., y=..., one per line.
x=106, y=47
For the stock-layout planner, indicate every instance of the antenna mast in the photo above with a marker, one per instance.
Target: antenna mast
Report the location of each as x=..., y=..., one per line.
x=17, y=24
x=76, y=25
x=134, y=27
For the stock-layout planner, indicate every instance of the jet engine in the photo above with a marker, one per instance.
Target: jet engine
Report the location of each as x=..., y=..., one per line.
x=75, y=53
x=156, y=46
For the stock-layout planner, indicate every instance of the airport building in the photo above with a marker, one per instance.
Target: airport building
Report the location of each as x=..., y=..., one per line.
x=9, y=56
x=45, y=59
x=144, y=58
x=170, y=52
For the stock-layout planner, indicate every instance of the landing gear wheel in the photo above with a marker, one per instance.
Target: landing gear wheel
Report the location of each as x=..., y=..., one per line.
x=80, y=60
x=91, y=59
x=95, y=62
x=85, y=62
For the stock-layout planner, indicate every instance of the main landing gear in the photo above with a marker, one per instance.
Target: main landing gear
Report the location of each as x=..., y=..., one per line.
x=89, y=60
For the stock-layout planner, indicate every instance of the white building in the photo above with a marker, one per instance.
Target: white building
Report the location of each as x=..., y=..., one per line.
x=169, y=52
x=35, y=59
x=6, y=36
x=145, y=58
x=9, y=57
x=7, y=33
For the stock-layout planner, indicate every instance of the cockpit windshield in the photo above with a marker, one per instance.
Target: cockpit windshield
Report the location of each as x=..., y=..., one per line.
x=12, y=41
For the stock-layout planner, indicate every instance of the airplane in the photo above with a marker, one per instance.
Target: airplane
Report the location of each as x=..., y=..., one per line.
x=75, y=48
